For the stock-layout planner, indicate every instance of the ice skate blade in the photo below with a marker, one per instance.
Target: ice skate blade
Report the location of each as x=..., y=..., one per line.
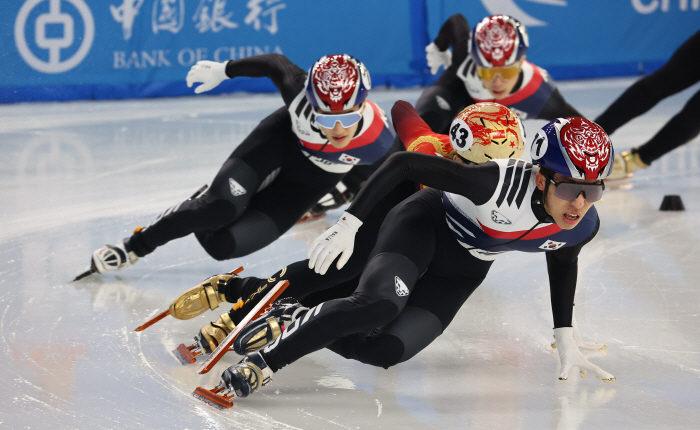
x=85, y=274
x=153, y=320
x=185, y=355
x=212, y=399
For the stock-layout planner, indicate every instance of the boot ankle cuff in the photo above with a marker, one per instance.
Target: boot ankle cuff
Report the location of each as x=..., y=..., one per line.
x=137, y=244
x=231, y=289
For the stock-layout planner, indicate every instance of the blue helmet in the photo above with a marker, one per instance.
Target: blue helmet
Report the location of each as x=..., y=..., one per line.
x=574, y=147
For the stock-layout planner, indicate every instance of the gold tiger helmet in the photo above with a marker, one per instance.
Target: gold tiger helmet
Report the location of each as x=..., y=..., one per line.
x=485, y=131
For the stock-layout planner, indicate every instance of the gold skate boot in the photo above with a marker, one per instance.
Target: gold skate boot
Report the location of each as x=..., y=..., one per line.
x=211, y=335
x=201, y=298
x=626, y=163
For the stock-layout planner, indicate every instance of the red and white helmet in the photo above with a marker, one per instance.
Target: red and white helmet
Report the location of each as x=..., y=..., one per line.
x=574, y=147
x=337, y=82
x=498, y=41
x=485, y=131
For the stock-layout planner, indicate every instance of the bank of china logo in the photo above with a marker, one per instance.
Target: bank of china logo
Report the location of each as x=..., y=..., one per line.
x=401, y=288
x=551, y=245
x=236, y=188
x=57, y=45
x=499, y=218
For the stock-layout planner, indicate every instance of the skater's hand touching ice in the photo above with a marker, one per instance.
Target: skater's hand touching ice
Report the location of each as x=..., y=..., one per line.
x=209, y=73
x=437, y=58
x=583, y=345
x=337, y=240
x=570, y=356
x=587, y=346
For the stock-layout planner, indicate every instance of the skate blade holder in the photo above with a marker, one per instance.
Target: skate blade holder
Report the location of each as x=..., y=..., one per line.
x=213, y=398
x=166, y=312
x=187, y=354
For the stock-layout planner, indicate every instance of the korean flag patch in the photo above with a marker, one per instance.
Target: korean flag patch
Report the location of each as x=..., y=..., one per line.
x=551, y=245
x=349, y=159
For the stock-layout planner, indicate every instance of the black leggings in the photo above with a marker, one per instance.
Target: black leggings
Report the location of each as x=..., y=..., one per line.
x=306, y=285
x=417, y=278
x=263, y=188
x=679, y=73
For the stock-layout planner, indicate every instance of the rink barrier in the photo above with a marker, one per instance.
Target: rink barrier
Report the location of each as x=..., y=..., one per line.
x=84, y=49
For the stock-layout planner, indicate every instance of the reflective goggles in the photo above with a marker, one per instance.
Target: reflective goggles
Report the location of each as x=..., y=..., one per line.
x=505, y=72
x=570, y=191
x=346, y=120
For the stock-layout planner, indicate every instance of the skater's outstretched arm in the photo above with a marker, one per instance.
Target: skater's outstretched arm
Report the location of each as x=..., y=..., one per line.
x=454, y=33
x=562, y=267
x=287, y=77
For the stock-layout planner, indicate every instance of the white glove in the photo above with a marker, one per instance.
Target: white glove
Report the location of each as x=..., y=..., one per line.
x=570, y=356
x=209, y=73
x=437, y=58
x=337, y=240
x=580, y=343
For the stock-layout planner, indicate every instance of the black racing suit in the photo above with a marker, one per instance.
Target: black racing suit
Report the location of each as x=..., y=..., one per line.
x=418, y=274
x=262, y=189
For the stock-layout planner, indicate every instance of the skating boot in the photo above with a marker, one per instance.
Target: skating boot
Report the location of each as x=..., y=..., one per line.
x=268, y=326
x=247, y=376
x=206, y=341
x=626, y=163
x=239, y=380
x=203, y=297
x=113, y=257
x=213, y=333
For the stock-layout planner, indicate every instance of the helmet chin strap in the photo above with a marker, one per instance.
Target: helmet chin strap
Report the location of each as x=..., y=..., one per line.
x=544, y=194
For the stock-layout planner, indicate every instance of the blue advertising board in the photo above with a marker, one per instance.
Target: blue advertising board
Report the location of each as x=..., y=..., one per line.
x=96, y=49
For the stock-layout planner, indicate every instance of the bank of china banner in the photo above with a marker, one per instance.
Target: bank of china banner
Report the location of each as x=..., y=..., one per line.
x=83, y=49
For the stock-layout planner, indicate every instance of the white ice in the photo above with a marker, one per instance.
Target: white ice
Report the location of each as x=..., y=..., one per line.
x=75, y=176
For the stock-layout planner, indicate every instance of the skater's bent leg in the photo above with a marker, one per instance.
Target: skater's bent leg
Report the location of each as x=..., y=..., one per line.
x=382, y=294
x=204, y=213
x=681, y=129
x=225, y=200
x=252, y=231
x=677, y=74
x=412, y=330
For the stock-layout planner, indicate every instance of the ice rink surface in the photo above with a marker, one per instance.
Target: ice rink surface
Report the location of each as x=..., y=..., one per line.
x=75, y=176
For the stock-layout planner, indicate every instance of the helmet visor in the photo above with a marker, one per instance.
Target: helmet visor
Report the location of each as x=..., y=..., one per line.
x=346, y=120
x=570, y=191
x=505, y=72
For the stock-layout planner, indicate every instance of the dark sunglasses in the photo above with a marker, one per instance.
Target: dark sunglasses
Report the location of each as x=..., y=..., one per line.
x=570, y=191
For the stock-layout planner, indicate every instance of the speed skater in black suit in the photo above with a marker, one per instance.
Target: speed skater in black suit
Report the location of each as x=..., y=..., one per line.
x=442, y=241
x=487, y=63
x=292, y=159
x=500, y=137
